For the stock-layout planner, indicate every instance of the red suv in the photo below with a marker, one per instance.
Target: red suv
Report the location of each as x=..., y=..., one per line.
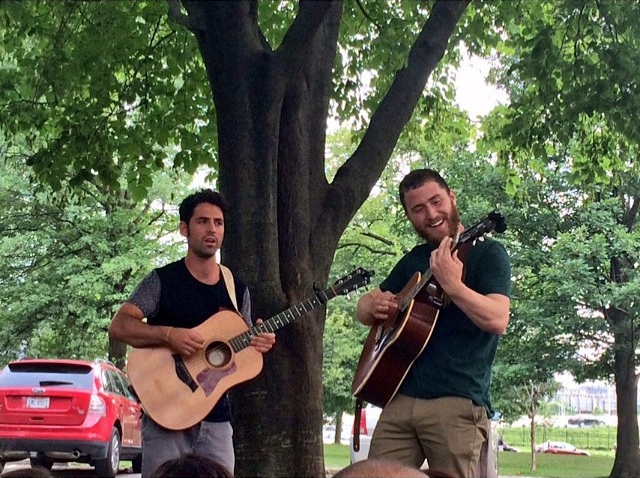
x=69, y=410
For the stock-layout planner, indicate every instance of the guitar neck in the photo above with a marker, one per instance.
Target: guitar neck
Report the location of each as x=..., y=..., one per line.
x=242, y=341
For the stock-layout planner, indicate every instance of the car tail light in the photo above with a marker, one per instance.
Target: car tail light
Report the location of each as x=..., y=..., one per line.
x=97, y=406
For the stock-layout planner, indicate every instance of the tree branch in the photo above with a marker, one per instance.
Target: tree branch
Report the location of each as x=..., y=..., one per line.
x=187, y=21
x=297, y=43
x=367, y=16
x=385, y=241
x=358, y=175
x=357, y=246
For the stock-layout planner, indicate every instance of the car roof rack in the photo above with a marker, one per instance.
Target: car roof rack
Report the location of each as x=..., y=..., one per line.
x=103, y=360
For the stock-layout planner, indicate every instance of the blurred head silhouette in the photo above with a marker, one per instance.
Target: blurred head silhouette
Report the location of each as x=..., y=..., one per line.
x=192, y=466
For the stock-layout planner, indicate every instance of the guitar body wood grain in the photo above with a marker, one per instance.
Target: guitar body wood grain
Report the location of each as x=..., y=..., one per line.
x=167, y=399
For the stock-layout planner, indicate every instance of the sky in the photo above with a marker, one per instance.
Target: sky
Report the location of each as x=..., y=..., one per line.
x=473, y=94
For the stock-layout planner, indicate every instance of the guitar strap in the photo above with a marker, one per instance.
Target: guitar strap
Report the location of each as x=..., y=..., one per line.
x=227, y=276
x=357, y=416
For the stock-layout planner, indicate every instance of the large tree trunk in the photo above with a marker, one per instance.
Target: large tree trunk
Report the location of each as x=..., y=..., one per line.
x=285, y=219
x=623, y=326
x=627, y=460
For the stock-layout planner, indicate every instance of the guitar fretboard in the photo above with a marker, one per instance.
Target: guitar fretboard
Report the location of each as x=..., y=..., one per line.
x=242, y=341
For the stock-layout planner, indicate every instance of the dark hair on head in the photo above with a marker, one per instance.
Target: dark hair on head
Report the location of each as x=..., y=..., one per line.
x=191, y=465
x=188, y=204
x=417, y=178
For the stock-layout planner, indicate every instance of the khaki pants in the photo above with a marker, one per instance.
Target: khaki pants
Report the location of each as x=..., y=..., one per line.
x=448, y=432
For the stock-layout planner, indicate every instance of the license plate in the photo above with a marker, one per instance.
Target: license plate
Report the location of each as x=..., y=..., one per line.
x=37, y=402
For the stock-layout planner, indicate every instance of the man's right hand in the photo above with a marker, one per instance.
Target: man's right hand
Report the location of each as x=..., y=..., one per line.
x=184, y=341
x=376, y=306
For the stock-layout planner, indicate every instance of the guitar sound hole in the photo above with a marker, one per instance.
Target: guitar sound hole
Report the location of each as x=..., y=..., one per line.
x=218, y=354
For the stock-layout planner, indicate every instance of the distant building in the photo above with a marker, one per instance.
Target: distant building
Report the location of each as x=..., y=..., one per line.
x=587, y=397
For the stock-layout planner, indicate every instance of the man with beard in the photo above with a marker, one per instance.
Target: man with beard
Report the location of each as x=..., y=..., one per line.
x=175, y=299
x=442, y=406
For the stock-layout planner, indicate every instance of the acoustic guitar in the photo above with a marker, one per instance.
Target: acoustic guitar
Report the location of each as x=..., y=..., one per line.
x=177, y=392
x=394, y=344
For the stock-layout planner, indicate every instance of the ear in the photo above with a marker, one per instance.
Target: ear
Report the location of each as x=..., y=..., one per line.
x=184, y=229
x=452, y=195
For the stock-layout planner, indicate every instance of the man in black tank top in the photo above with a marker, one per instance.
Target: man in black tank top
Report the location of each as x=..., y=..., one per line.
x=174, y=299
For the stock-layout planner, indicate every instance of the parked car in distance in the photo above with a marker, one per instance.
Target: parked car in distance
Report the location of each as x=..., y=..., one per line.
x=559, y=448
x=329, y=434
x=59, y=410
x=582, y=421
x=502, y=446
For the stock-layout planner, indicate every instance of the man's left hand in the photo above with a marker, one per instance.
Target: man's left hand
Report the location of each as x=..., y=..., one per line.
x=263, y=342
x=446, y=267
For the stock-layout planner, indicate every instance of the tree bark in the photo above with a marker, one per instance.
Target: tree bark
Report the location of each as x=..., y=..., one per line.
x=627, y=460
x=285, y=219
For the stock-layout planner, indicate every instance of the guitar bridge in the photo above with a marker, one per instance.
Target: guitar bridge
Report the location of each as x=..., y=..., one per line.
x=183, y=373
x=431, y=295
x=437, y=302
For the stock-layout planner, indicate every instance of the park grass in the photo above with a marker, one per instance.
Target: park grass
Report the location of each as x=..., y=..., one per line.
x=336, y=457
x=555, y=466
x=592, y=439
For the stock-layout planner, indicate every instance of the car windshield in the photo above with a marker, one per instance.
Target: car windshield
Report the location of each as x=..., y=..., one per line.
x=47, y=375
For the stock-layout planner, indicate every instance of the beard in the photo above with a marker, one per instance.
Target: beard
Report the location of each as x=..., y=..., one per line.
x=199, y=248
x=203, y=253
x=452, y=221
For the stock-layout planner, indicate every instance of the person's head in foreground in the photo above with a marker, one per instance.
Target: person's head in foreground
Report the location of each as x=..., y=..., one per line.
x=376, y=468
x=192, y=466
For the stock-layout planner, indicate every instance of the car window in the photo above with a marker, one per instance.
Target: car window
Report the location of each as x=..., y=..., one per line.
x=47, y=375
x=120, y=388
x=109, y=382
x=126, y=387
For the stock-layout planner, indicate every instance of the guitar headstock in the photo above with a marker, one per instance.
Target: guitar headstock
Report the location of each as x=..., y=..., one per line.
x=358, y=278
x=493, y=221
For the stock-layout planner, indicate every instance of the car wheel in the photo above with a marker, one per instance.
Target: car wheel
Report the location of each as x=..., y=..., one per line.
x=41, y=460
x=108, y=467
x=136, y=464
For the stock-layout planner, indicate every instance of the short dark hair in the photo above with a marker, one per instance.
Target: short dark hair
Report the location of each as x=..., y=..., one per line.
x=188, y=204
x=417, y=178
x=192, y=465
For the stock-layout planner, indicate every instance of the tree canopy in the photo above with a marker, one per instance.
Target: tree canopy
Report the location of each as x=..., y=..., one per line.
x=101, y=96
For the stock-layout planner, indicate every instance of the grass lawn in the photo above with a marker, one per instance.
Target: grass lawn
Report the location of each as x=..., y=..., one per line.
x=555, y=466
x=336, y=457
x=513, y=464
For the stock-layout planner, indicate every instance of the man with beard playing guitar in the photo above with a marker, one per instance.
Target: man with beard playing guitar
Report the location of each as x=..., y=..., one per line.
x=442, y=406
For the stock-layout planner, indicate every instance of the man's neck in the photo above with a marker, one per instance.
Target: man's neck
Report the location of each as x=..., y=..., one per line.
x=205, y=270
